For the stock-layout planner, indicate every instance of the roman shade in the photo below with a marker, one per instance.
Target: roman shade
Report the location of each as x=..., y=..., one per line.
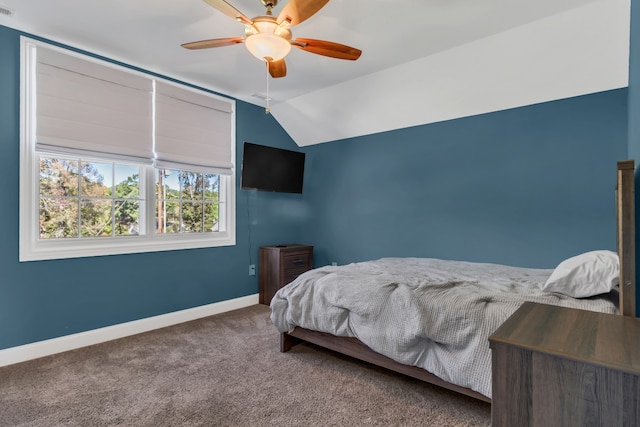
x=192, y=130
x=89, y=109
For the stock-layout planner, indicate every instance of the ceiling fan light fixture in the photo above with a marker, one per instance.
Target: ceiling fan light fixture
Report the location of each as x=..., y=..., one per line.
x=266, y=40
x=268, y=47
x=269, y=38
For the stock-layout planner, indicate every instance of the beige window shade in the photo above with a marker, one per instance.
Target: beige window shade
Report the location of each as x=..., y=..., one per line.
x=192, y=131
x=85, y=108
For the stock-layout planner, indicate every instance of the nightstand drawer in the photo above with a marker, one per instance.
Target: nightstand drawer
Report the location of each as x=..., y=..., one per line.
x=296, y=261
x=290, y=276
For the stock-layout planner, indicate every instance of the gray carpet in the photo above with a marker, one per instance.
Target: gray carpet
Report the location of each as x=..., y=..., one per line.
x=223, y=370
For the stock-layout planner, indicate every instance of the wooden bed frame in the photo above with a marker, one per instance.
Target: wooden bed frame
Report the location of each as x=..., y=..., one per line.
x=626, y=251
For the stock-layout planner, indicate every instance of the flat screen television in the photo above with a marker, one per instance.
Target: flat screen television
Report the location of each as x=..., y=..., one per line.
x=272, y=169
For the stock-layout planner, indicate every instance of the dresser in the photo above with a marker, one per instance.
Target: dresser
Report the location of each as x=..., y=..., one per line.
x=280, y=265
x=556, y=366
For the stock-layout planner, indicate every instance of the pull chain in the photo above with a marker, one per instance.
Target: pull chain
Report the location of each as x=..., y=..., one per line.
x=268, y=109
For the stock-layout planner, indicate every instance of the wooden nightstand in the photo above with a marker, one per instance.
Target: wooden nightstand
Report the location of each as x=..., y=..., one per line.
x=280, y=265
x=556, y=366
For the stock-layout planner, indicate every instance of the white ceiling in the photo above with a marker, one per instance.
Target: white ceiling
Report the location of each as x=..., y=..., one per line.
x=423, y=60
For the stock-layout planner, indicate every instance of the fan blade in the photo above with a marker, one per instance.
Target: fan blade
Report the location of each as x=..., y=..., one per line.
x=277, y=68
x=325, y=48
x=229, y=10
x=297, y=11
x=205, y=44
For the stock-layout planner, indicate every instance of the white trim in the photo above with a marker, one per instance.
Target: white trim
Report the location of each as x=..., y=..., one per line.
x=82, y=339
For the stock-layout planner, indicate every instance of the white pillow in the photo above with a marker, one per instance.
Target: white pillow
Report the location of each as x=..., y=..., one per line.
x=585, y=275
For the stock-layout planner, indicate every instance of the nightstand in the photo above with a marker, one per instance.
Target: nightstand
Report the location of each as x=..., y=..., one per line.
x=280, y=265
x=557, y=366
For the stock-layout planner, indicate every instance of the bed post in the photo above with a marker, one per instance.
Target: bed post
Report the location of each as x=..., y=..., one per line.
x=626, y=235
x=287, y=342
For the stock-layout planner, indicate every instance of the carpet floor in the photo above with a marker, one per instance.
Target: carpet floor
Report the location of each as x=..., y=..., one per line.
x=222, y=370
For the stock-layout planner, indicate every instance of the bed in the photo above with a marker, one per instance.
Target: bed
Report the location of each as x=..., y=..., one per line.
x=397, y=312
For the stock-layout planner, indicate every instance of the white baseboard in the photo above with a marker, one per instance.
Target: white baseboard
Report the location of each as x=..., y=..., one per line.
x=38, y=349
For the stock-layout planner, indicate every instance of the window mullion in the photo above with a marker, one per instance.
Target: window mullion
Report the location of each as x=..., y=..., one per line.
x=79, y=197
x=148, y=215
x=113, y=199
x=180, y=201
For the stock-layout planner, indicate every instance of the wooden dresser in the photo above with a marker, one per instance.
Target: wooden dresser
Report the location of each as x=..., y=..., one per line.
x=280, y=265
x=555, y=366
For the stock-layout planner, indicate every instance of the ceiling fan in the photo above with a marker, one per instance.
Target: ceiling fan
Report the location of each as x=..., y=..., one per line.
x=269, y=38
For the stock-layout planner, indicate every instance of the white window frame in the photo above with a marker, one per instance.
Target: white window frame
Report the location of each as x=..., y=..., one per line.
x=33, y=248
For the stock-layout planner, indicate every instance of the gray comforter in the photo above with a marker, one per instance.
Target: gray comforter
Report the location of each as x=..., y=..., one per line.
x=431, y=313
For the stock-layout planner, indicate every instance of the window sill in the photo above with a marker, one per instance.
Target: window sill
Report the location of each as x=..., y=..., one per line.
x=89, y=247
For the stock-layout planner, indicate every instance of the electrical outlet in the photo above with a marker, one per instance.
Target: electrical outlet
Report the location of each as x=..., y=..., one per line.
x=252, y=270
x=334, y=263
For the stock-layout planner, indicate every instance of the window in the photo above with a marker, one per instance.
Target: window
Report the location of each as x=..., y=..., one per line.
x=114, y=161
x=187, y=202
x=80, y=198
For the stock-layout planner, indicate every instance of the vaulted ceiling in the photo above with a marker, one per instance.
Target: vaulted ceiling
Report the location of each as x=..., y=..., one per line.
x=423, y=61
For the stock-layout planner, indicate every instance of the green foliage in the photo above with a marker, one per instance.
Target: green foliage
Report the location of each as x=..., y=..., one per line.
x=80, y=199
x=77, y=202
x=190, y=208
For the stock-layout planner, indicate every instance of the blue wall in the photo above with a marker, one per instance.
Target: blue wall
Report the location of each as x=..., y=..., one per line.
x=634, y=84
x=47, y=299
x=529, y=186
x=634, y=124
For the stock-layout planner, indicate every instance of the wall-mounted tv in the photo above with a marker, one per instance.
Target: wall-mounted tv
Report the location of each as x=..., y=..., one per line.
x=272, y=169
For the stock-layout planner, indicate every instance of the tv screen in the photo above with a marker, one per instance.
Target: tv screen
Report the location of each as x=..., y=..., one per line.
x=272, y=169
